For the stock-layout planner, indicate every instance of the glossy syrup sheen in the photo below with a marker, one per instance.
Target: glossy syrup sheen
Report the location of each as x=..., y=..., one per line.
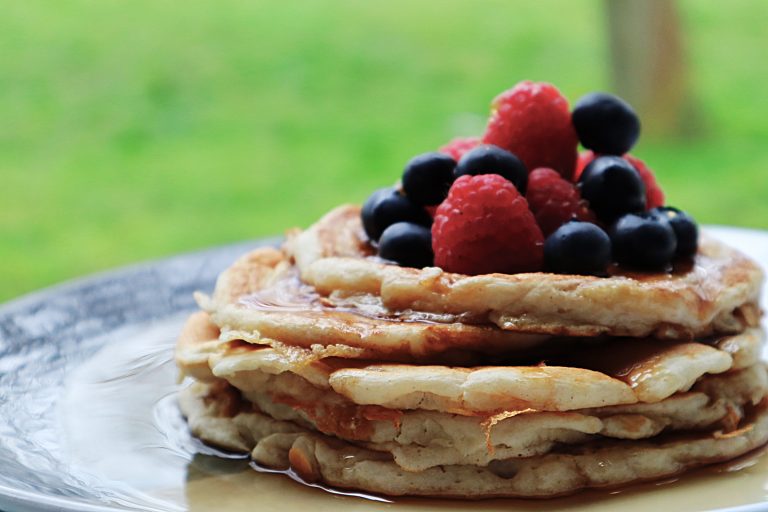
x=122, y=434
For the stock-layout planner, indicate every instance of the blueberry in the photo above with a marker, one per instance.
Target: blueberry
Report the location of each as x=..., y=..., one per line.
x=685, y=228
x=490, y=159
x=605, y=124
x=613, y=187
x=407, y=244
x=366, y=214
x=577, y=248
x=645, y=241
x=427, y=178
x=387, y=206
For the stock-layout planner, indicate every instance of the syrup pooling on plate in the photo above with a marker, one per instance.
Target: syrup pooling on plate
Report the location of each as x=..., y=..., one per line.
x=119, y=418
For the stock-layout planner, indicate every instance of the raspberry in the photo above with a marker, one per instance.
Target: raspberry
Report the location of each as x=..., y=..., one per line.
x=485, y=226
x=532, y=120
x=554, y=201
x=458, y=146
x=654, y=196
x=584, y=158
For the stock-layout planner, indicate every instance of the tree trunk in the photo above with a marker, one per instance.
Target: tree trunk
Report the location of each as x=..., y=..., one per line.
x=648, y=64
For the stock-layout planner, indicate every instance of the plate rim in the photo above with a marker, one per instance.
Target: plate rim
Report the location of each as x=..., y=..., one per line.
x=72, y=283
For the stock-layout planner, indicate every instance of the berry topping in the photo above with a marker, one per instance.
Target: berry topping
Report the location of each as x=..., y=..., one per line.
x=654, y=196
x=605, y=124
x=387, y=206
x=643, y=241
x=460, y=145
x=486, y=205
x=685, y=228
x=366, y=213
x=613, y=187
x=407, y=244
x=554, y=201
x=485, y=226
x=427, y=178
x=489, y=159
x=577, y=248
x=532, y=121
x=585, y=157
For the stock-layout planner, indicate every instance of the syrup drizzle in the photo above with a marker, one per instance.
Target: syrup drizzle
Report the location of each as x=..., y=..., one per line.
x=290, y=294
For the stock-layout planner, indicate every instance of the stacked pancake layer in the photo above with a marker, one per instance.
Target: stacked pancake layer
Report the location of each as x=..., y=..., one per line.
x=370, y=376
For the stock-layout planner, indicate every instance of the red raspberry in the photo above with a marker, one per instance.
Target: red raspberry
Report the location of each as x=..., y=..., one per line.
x=654, y=196
x=460, y=145
x=485, y=226
x=533, y=121
x=554, y=201
x=584, y=158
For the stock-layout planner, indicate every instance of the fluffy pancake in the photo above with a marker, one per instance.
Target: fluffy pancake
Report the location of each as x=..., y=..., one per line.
x=323, y=358
x=717, y=294
x=601, y=464
x=611, y=373
x=422, y=439
x=260, y=299
x=414, y=418
x=318, y=457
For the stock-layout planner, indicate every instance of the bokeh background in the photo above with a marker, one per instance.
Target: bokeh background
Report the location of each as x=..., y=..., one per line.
x=135, y=130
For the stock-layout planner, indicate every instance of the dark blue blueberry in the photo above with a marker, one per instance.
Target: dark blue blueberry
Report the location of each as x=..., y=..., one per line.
x=685, y=228
x=643, y=241
x=427, y=178
x=366, y=214
x=490, y=159
x=577, y=248
x=407, y=244
x=605, y=124
x=387, y=206
x=613, y=187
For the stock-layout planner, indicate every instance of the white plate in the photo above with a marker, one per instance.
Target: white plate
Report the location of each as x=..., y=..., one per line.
x=88, y=418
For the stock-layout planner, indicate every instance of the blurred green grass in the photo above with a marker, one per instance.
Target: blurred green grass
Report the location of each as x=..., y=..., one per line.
x=135, y=130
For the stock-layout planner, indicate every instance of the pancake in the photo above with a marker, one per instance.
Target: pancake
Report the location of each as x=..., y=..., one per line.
x=421, y=439
x=596, y=462
x=611, y=373
x=251, y=386
x=718, y=293
x=260, y=299
x=601, y=464
x=322, y=358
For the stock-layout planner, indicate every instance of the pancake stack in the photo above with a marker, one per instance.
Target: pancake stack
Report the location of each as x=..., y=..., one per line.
x=360, y=374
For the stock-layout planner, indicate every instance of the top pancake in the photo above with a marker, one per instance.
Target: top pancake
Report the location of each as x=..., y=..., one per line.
x=717, y=294
x=261, y=300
